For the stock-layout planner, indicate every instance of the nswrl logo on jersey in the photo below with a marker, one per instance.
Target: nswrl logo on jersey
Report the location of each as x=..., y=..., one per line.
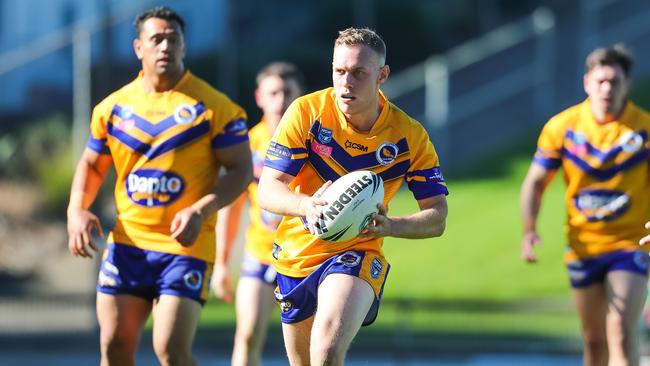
x=151, y=187
x=324, y=135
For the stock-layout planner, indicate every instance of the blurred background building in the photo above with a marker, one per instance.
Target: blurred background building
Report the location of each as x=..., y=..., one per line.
x=481, y=75
x=456, y=65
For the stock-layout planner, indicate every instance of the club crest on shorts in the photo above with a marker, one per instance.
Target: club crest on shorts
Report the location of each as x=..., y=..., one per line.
x=386, y=153
x=193, y=279
x=349, y=259
x=184, y=114
x=286, y=306
x=642, y=260
x=375, y=268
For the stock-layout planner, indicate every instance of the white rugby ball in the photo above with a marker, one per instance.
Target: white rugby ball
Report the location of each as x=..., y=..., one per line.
x=351, y=201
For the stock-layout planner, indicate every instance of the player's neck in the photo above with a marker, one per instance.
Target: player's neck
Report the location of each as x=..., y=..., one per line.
x=271, y=123
x=154, y=83
x=605, y=117
x=363, y=122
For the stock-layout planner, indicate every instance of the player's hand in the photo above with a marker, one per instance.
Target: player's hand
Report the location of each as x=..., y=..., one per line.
x=380, y=225
x=221, y=283
x=186, y=226
x=646, y=239
x=311, y=207
x=80, y=227
x=528, y=243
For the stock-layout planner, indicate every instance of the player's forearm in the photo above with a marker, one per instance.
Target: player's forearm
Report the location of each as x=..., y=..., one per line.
x=87, y=179
x=227, y=189
x=227, y=228
x=275, y=196
x=427, y=223
x=531, y=198
x=532, y=190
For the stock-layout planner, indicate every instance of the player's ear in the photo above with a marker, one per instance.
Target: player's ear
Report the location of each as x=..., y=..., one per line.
x=258, y=97
x=384, y=71
x=137, y=47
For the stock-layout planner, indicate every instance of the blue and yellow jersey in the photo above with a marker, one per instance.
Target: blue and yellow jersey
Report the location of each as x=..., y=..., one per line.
x=163, y=149
x=314, y=143
x=261, y=231
x=606, y=172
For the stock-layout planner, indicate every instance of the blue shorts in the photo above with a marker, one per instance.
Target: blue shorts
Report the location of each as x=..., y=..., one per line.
x=126, y=269
x=251, y=267
x=298, y=297
x=585, y=272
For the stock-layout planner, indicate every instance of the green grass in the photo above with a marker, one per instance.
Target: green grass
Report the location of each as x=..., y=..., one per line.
x=472, y=280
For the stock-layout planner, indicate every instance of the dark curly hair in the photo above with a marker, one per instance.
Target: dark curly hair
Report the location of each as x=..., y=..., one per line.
x=161, y=12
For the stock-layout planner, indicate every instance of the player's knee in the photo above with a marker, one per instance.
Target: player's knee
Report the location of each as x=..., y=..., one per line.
x=249, y=337
x=594, y=343
x=169, y=354
x=114, y=345
x=328, y=351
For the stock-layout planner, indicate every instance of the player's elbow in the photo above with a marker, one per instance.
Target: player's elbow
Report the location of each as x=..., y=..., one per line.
x=437, y=229
x=264, y=194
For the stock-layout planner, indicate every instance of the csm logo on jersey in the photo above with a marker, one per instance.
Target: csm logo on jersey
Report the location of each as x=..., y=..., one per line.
x=601, y=204
x=150, y=187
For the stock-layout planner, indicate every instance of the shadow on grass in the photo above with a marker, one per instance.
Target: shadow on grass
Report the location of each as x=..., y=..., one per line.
x=402, y=338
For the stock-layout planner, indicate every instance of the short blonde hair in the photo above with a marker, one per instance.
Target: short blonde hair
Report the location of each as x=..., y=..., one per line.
x=283, y=70
x=364, y=37
x=615, y=55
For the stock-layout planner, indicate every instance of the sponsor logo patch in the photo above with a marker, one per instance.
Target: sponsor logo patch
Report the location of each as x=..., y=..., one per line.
x=279, y=151
x=353, y=145
x=601, y=204
x=150, y=187
x=321, y=150
x=349, y=259
x=436, y=175
x=236, y=126
x=126, y=124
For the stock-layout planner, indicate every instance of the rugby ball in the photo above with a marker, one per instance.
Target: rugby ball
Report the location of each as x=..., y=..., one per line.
x=351, y=201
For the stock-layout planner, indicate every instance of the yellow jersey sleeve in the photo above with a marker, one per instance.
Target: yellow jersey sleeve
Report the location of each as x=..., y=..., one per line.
x=549, y=144
x=288, y=149
x=97, y=141
x=424, y=176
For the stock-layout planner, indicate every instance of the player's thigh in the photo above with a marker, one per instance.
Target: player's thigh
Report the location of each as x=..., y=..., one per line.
x=297, y=337
x=591, y=305
x=121, y=316
x=175, y=320
x=626, y=292
x=254, y=302
x=343, y=303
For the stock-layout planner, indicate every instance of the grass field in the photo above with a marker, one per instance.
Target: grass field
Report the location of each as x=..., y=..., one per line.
x=471, y=281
